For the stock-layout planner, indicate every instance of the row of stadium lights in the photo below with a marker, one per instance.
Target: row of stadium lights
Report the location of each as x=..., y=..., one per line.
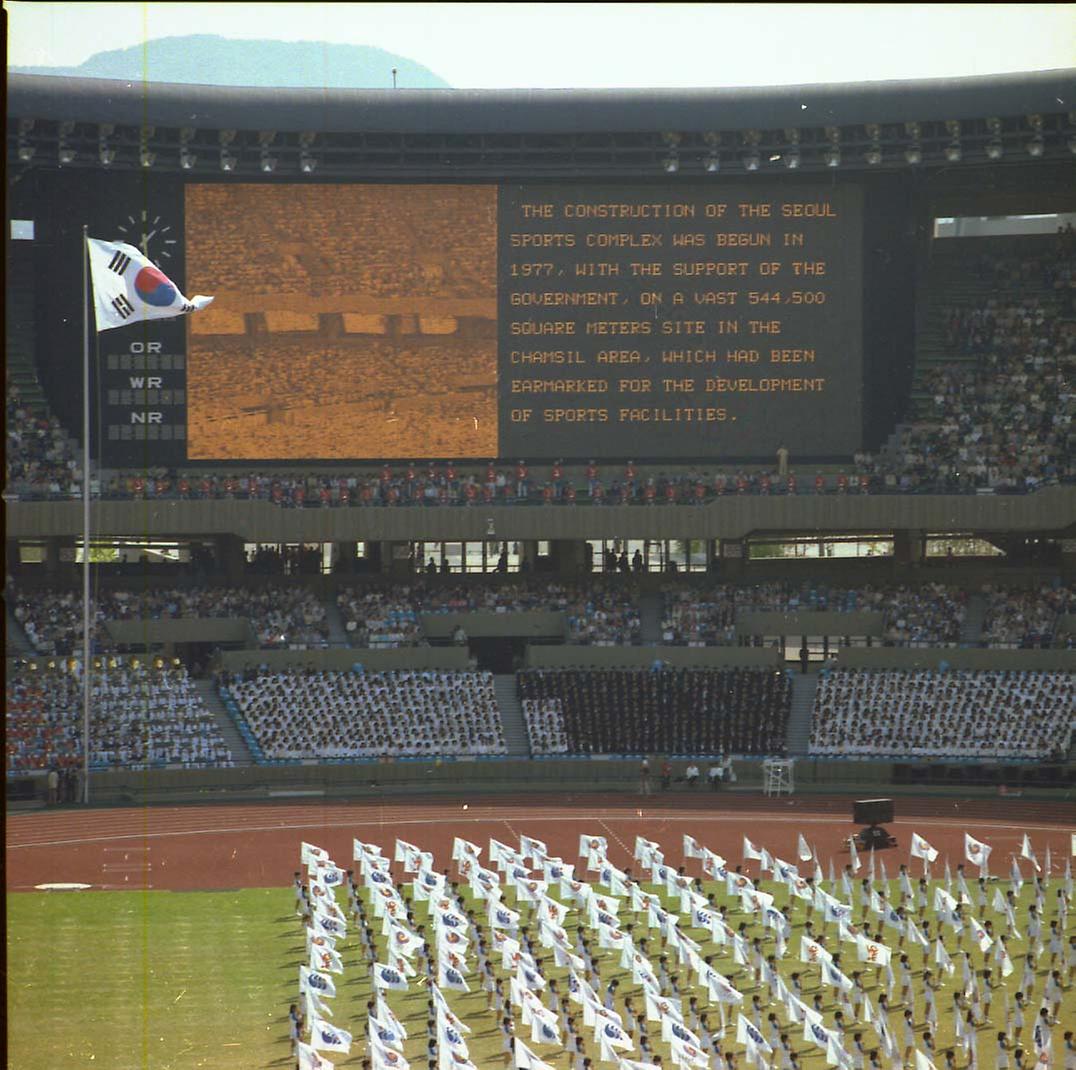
x=751, y=156
x=106, y=153
x=791, y=156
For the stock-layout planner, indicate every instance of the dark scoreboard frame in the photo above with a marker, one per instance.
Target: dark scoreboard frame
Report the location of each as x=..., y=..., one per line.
x=895, y=222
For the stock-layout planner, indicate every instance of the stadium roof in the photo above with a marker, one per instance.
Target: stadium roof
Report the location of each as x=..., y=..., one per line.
x=523, y=111
x=405, y=133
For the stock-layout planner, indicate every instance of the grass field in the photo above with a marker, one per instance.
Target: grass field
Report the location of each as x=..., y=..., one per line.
x=169, y=981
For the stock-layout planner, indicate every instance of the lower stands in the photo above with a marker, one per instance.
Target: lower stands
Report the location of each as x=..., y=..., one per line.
x=939, y=713
x=740, y=711
x=341, y=715
x=141, y=716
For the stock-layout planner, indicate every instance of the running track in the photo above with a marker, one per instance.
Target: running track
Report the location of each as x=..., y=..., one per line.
x=242, y=845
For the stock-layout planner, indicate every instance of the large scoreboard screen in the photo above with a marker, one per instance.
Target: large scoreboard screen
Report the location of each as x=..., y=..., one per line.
x=575, y=320
x=675, y=319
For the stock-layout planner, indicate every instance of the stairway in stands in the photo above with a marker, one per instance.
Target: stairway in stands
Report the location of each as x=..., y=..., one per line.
x=240, y=751
x=798, y=733
x=335, y=620
x=971, y=631
x=16, y=645
x=515, y=728
x=651, y=611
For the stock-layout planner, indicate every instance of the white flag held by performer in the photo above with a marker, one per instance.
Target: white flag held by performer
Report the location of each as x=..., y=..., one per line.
x=129, y=288
x=976, y=851
x=921, y=849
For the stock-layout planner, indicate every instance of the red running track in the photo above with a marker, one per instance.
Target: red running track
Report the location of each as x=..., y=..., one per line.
x=243, y=845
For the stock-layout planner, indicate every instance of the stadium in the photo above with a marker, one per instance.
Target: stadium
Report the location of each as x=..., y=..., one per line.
x=639, y=526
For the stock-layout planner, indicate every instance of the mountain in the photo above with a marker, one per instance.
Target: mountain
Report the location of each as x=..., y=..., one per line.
x=206, y=59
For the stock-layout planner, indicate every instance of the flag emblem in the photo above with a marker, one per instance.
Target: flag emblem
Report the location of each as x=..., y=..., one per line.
x=391, y=976
x=154, y=287
x=453, y=977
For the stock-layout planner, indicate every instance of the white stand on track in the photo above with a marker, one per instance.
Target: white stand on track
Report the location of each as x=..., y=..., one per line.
x=777, y=776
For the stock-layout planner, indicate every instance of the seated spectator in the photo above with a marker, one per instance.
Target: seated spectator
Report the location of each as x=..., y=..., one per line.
x=1023, y=618
x=899, y=713
x=141, y=717
x=683, y=711
x=307, y=715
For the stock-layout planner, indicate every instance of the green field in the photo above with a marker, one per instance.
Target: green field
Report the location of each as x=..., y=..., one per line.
x=170, y=981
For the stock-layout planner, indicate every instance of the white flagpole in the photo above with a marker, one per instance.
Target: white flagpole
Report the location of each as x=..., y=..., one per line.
x=87, y=677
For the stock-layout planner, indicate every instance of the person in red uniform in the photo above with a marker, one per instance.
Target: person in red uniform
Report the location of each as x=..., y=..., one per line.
x=592, y=476
x=791, y=484
x=765, y=484
x=629, y=475
x=819, y=484
x=184, y=488
x=521, y=479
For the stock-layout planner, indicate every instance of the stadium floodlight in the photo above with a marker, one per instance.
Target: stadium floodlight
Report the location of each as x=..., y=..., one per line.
x=995, y=147
x=752, y=157
x=308, y=162
x=873, y=153
x=268, y=163
x=25, y=149
x=712, y=160
x=792, y=153
x=832, y=155
x=146, y=158
x=671, y=160
x=914, y=152
x=228, y=160
x=64, y=151
x=954, y=152
x=105, y=153
x=1036, y=144
x=1072, y=144
x=187, y=159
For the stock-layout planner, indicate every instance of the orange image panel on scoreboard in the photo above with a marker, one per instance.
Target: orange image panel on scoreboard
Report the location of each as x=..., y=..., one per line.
x=348, y=321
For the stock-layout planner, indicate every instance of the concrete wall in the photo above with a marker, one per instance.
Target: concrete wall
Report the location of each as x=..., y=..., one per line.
x=1049, y=510
x=642, y=657
x=900, y=658
x=482, y=625
x=182, y=630
x=809, y=622
x=342, y=659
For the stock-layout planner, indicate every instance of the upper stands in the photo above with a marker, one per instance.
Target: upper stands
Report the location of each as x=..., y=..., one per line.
x=928, y=615
x=279, y=616
x=1022, y=618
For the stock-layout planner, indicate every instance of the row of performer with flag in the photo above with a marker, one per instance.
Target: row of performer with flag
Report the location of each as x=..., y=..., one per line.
x=847, y=988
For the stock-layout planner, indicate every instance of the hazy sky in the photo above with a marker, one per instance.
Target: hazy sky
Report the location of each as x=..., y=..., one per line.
x=597, y=45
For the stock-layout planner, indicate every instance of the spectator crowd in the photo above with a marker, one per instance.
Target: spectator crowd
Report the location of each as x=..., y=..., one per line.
x=685, y=711
x=929, y=615
x=140, y=717
x=280, y=616
x=323, y=714
x=1024, y=618
x=958, y=714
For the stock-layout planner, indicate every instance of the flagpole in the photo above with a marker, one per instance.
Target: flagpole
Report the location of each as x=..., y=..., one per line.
x=87, y=679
